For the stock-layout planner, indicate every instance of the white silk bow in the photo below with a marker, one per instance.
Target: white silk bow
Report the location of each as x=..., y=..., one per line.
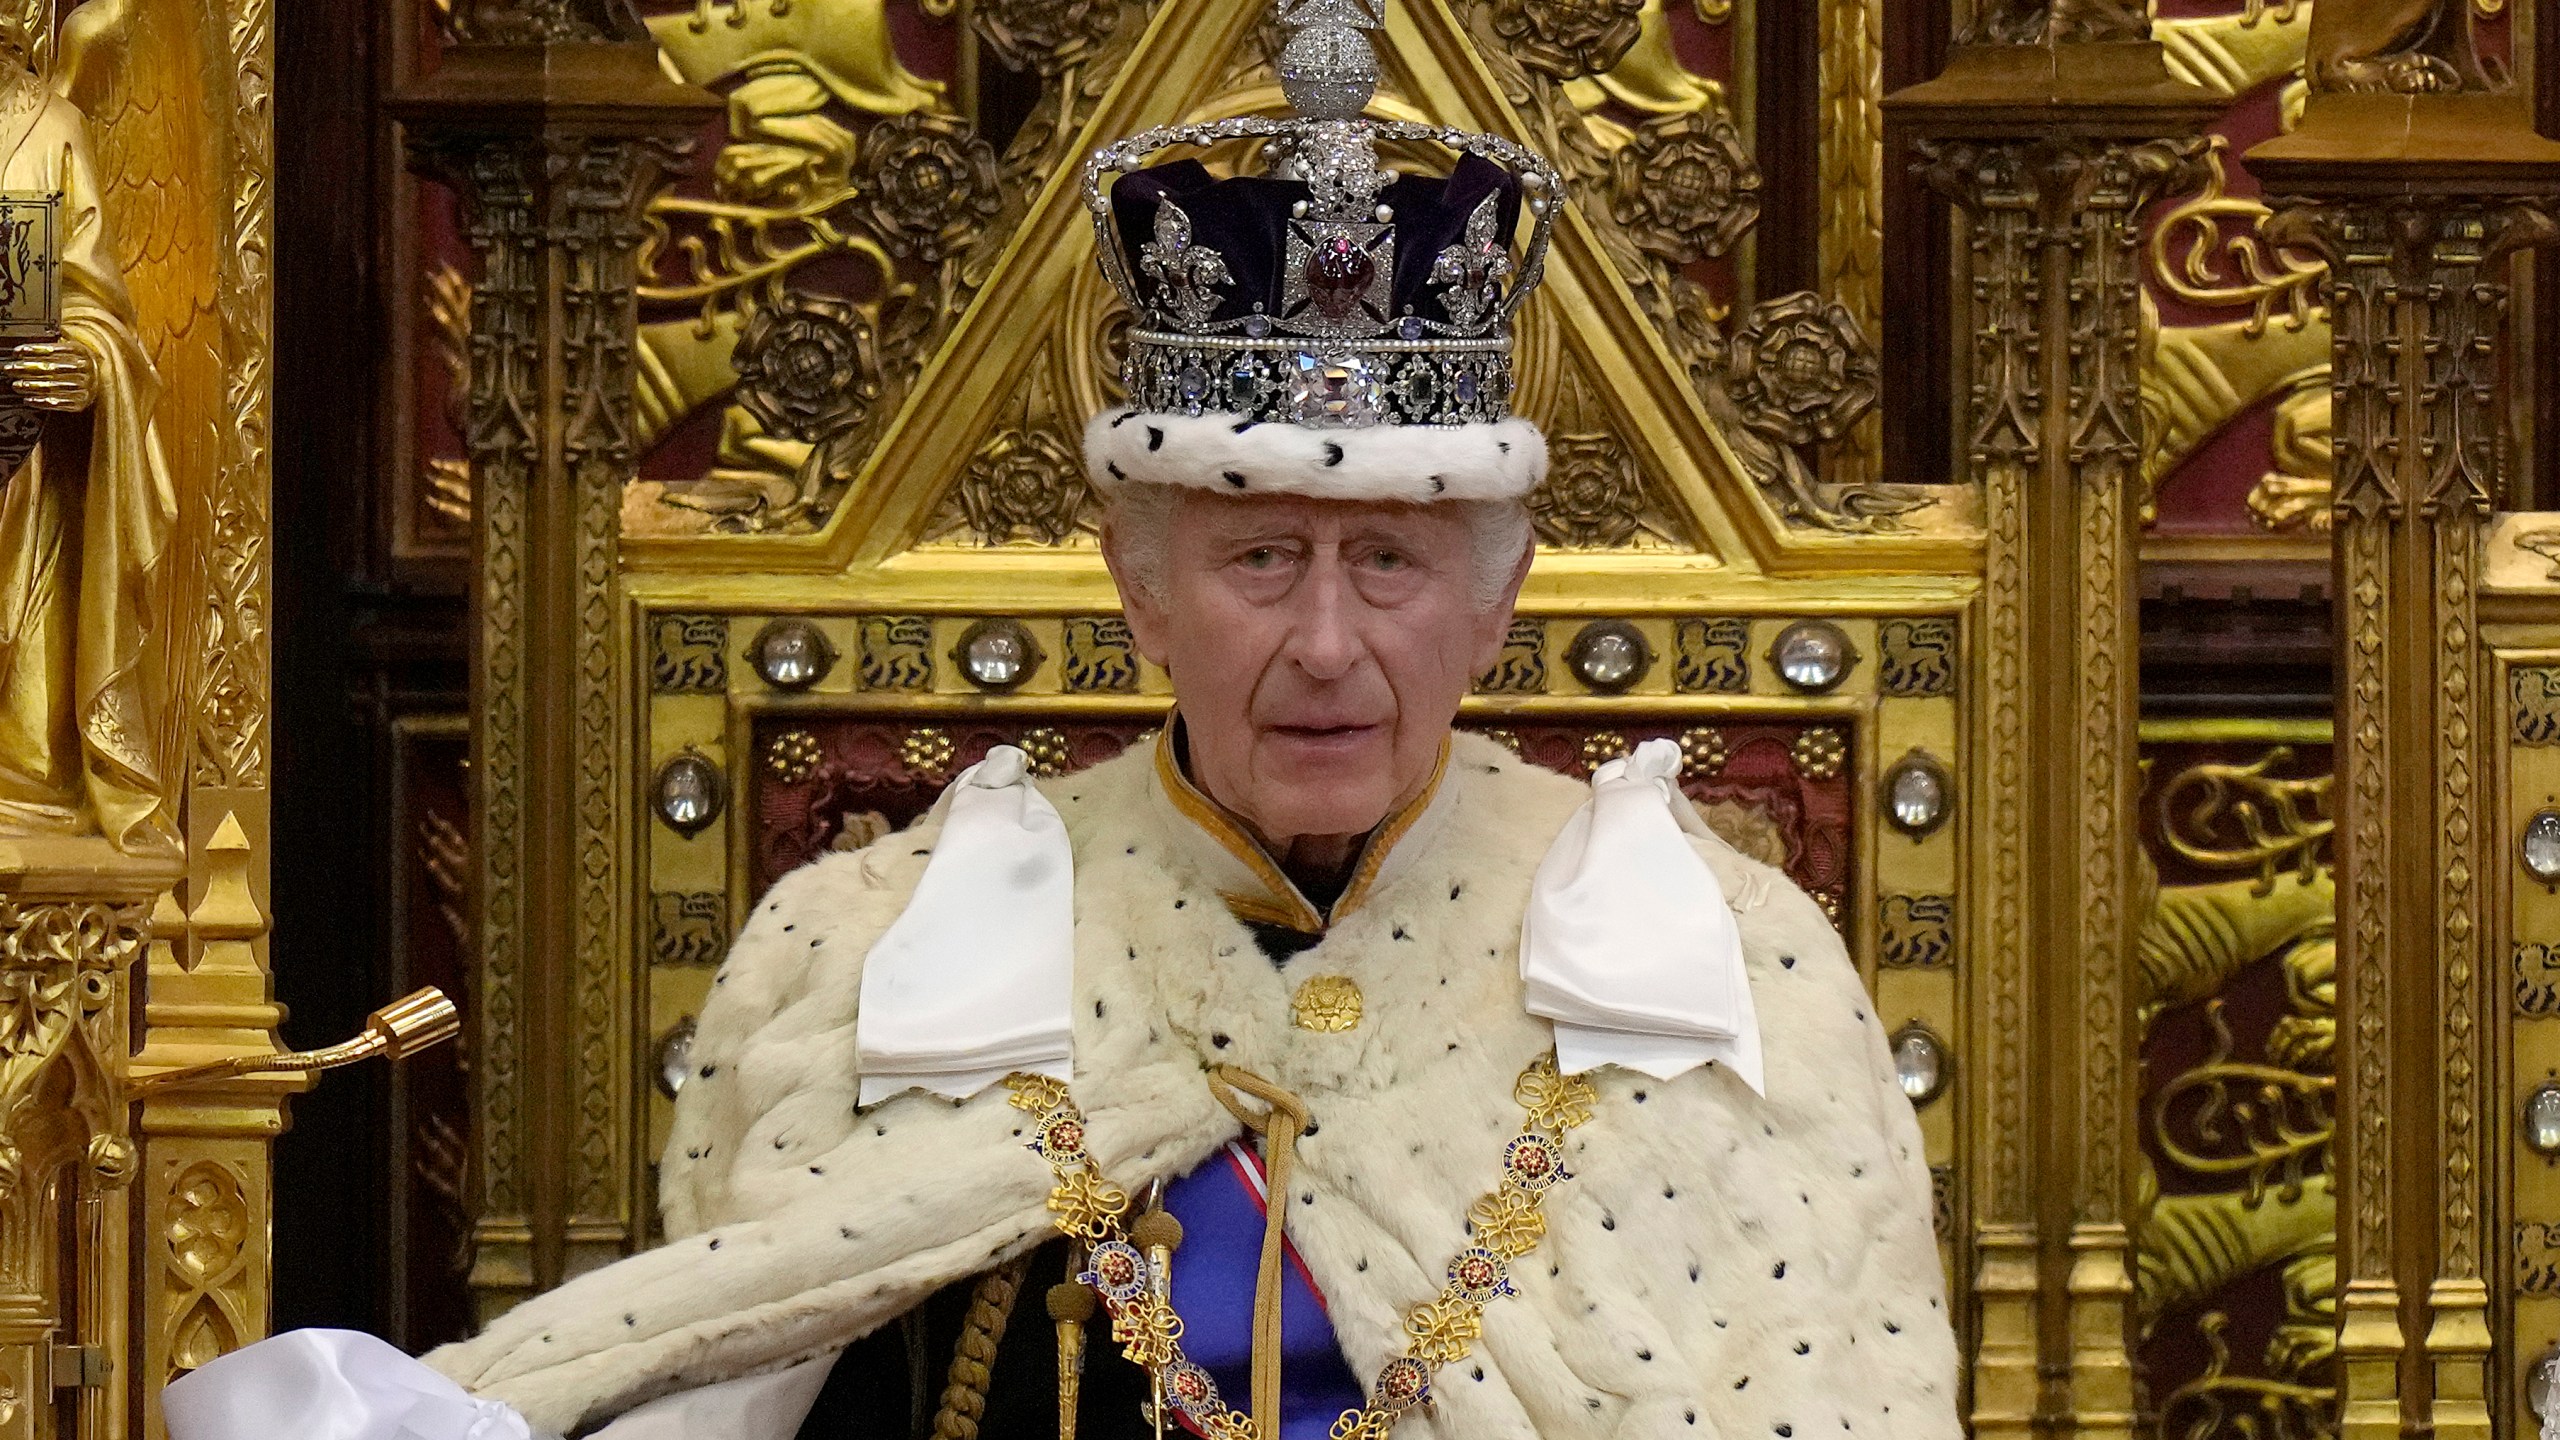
x=974, y=980
x=341, y=1385
x=1630, y=945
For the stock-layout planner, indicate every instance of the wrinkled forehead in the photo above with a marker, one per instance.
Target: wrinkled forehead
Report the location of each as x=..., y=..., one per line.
x=1209, y=516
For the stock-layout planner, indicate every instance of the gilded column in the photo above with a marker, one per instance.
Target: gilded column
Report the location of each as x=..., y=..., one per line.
x=2052, y=129
x=554, y=143
x=2416, y=201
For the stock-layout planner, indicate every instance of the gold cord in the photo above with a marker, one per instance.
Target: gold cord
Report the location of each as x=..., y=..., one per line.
x=1280, y=1124
x=973, y=1360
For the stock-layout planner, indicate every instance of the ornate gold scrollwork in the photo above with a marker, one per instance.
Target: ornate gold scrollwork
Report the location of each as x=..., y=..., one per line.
x=1685, y=185
x=61, y=962
x=2192, y=243
x=2219, y=1403
x=2280, y=822
x=2265, y=1124
x=447, y=478
x=2038, y=22
x=2397, y=47
x=1568, y=39
x=2246, y=1138
x=851, y=200
x=1798, y=373
x=1680, y=186
x=205, y=1238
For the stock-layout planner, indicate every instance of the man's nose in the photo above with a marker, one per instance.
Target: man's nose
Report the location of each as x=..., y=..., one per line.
x=1325, y=642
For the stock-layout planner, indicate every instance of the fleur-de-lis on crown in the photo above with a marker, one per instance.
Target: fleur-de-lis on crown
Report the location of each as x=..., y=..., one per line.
x=1187, y=276
x=1474, y=270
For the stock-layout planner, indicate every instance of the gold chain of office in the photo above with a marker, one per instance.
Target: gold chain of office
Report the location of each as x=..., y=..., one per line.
x=1503, y=1226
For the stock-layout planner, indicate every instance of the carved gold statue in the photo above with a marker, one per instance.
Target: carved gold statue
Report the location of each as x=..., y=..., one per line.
x=87, y=515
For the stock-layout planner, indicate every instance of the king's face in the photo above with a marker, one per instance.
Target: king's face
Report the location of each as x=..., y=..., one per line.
x=1319, y=650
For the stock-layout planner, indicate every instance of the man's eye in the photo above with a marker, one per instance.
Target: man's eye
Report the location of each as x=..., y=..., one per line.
x=1262, y=557
x=1389, y=560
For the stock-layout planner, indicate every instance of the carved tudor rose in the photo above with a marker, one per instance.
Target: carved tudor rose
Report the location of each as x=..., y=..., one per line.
x=809, y=369
x=927, y=184
x=1025, y=484
x=1686, y=186
x=1569, y=38
x=1801, y=370
x=1593, y=497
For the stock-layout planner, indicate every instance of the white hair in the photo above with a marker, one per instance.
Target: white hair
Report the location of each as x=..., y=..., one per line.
x=1141, y=521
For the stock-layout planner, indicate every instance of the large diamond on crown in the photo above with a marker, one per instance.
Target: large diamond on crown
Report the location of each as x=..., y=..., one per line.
x=1337, y=392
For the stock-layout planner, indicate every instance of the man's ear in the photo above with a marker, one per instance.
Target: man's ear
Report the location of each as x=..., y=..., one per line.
x=1497, y=618
x=1145, y=615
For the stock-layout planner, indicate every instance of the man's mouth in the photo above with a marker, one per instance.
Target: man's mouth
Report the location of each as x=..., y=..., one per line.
x=1321, y=733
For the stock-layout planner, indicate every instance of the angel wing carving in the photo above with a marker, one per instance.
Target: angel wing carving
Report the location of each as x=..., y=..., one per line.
x=145, y=73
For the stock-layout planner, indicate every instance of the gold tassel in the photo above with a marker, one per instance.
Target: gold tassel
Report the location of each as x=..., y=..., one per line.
x=1158, y=1235
x=1071, y=1304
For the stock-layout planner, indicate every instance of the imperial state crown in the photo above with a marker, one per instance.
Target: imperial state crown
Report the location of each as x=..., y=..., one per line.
x=1329, y=294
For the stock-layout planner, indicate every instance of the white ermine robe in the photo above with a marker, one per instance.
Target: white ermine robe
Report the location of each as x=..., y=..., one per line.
x=1721, y=1265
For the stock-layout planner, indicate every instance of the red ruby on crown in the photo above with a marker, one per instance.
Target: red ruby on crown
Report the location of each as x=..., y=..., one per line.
x=1338, y=275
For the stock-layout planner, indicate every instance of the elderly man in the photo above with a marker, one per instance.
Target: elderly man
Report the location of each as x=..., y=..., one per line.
x=1345, y=1075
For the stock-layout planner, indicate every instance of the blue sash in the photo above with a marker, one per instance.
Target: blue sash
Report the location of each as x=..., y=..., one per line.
x=1221, y=1207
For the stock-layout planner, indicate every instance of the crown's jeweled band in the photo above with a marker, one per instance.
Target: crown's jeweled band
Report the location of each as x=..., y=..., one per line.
x=1430, y=382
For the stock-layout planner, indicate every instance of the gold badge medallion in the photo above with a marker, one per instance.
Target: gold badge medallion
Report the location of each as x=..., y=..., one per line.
x=1326, y=1004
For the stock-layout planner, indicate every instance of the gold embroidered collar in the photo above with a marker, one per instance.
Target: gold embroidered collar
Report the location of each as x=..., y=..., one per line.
x=1251, y=881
